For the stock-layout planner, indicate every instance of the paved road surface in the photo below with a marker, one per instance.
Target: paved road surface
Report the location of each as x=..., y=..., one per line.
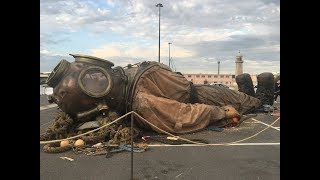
x=256, y=158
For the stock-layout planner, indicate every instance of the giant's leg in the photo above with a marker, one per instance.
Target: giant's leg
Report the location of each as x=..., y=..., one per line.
x=220, y=96
x=265, y=89
x=245, y=84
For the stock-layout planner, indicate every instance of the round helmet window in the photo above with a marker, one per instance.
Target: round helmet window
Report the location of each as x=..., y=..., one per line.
x=95, y=81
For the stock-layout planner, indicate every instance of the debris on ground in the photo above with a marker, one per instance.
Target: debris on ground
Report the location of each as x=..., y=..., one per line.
x=276, y=114
x=64, y=126
x=172, y=138
x=79, y=142
x=97, y=145
x=67, y=158
x=110, y=139
x=107, y=148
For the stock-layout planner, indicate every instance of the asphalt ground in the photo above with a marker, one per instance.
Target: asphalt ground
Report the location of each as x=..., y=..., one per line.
x=257, y=157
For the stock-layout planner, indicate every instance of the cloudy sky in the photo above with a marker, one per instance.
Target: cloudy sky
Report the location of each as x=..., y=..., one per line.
x=201, y=32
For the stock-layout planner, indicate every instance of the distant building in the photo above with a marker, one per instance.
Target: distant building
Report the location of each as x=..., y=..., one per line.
x=227, y=79
x=239, y=64
x=43, y=77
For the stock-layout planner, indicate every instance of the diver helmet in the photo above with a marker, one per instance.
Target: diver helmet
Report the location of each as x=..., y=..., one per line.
x=86, y=85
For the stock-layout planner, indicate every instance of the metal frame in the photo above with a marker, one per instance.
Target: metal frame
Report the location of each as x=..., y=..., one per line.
x=92, y=94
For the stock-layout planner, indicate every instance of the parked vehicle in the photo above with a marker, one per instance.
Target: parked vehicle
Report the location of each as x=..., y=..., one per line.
x=218, y=84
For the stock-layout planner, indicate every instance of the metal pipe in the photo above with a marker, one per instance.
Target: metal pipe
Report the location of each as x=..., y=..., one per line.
x=169, y=55
x=132, y=146
x=159, y=5
x=218, y=67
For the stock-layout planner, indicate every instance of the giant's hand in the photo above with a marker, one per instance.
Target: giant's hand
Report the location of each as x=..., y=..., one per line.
x=231, y=112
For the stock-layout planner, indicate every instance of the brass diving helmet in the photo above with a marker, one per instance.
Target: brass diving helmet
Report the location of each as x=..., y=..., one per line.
x=87, y=86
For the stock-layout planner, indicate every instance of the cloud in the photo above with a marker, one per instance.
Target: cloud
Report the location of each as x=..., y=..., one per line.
x=200, y=31
x=176, y=15
x=133, y=50
x=49, y=60
x=70, y=15
x=107, y=51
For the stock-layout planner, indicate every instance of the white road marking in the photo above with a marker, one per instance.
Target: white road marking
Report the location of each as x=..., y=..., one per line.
x=224, y=144
x=178, y=175
x=48, y=106
x=265, y=124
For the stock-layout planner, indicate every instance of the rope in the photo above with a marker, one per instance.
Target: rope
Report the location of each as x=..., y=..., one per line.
x=254, y=134
x=73, y=137
x=194, y=142
x=215, y=144
x=204, y=144
x=164, y=130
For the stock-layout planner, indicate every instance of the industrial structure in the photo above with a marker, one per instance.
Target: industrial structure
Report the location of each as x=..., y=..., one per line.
x=239, y=62
x=227, y=79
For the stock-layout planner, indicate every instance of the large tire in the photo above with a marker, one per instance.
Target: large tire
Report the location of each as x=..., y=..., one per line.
x=245, y=84
x=265, y=89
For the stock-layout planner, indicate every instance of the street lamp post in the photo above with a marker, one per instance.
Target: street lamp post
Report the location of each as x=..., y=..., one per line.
x=159, y=5
x=169, y=54
x=218, y=67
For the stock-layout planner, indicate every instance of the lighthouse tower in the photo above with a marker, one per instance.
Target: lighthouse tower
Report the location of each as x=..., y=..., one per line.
x=239, y=67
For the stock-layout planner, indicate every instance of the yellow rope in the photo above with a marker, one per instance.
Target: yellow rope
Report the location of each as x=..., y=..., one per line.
x=164, y=130
x=132, y=112
x=256, y=133
x=73, y=137
x=203, y=144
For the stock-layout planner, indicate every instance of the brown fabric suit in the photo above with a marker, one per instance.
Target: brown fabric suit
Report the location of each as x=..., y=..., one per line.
x=163, y=98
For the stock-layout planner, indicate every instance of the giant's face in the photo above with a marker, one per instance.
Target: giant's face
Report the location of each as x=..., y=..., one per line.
x=79, y=86
x=68, y=95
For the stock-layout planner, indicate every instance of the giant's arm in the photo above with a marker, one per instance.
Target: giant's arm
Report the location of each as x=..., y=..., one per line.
x=174, y=116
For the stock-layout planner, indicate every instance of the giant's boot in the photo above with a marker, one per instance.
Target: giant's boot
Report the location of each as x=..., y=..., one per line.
x=245, y=84
x=265, y=89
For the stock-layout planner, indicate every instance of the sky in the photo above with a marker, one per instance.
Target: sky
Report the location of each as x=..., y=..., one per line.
x=127, y=31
